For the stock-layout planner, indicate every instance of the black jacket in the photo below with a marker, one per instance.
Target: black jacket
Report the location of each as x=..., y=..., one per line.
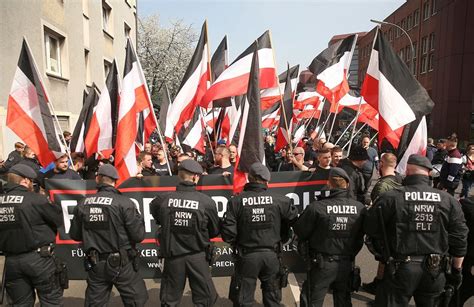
x=107, y=222
x=188, y=219
x=419, y=220
x=334, y=225
x=357, y=183
x=257, y=218
x=27, y=220
x=13, y=158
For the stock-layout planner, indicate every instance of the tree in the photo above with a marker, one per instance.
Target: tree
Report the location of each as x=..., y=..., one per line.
x=164, y=53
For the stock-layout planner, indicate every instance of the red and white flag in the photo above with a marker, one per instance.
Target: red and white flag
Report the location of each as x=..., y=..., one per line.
x=83, y=122
x=331, y=67
x=28, y=114
x=417, y=145
x=234, y=80
x=390, y=88
x=250, y=147
x=192, y=88
x=134, y=99
x=271, y=96
x=271, y=116
x=102, y=130
x=285, y=126
x=192, y=137
x=307, y=98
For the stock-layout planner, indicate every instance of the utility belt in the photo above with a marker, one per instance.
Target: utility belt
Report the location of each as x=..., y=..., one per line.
x=277, y=248
x=115, y=260
x=319, y=257
x=43, y=251
x=434, y=264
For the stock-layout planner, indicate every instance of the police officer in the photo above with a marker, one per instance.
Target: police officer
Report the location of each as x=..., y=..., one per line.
x=188, y=219
x=420, y=227
x=109, y=225
x=333, y=228
x=28, y=227
x=254, y=223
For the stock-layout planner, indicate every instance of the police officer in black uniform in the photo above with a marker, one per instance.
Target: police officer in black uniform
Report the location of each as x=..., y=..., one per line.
x=333, y=227
x=467, y=288
x=254, y=224
x=425, y=235
x=28, y=227
x=109, y=226
x=187, y=220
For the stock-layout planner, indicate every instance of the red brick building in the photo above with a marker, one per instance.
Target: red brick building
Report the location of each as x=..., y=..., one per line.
x=442, y=32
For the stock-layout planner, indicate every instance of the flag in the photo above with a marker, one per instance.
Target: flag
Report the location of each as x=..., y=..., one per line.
x=192, y=137
x=310, y=111
x=250, y=148
x=331, y=66
x=234, y=80
x=164, y=109
x=271, y=116
x=192, y=88
x=134, y=100
x=271, y=96
x=417, y=145
x=28, y=114
x=219, y=63
x=286, y=117
x=103, y=126
x=307, y=98
x=390, y=88
x=235, y=112
x=84, y=120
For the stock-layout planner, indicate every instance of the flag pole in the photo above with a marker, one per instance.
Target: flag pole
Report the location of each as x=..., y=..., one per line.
x=345, y=130
x=208, y=48
x=152, y=111
x=357, y=132
x=354, y=127
x=207, y=134
x=51, y=109
x=288, y=132
x=371, y=140
x=334, y=119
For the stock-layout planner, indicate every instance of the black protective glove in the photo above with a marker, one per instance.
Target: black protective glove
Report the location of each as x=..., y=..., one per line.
x=454, y=278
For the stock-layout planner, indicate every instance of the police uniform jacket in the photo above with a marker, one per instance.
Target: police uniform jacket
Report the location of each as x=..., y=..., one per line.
x=257, y=218
x=357, y=186
x=419, y=220
x=334, y=225
x=13, y=158
x=468, y=209
x=107, y=222
x=188, y=219
x=27, y=220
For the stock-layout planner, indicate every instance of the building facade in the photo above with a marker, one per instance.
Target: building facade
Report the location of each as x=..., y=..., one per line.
x=442, y=61
x=74, y=44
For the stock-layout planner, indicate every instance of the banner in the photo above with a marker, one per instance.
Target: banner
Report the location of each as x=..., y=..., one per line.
x=301, y=187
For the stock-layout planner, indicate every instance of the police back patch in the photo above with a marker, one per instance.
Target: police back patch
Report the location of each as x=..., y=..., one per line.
x=96, y=217
x=10, y=216
x=183, y=221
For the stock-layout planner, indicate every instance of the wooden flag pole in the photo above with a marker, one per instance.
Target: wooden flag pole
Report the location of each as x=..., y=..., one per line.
x=345, y=130
x=355, y=124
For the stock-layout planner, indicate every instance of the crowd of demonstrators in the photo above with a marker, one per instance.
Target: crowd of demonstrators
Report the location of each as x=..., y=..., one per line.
x=332, y=226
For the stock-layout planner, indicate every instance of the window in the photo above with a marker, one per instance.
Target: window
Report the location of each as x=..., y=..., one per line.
x=63, y=122
x=403, y=24
x=409, y=22
x=424, y=64
x=424, y=45
x=401, y=54
x=430, y=62
x=415, y=49
x=107, y=67
x=106, y=17
x=407, y=53
x=126, y=30
x=398, y=30
x=416, y=17
x=53, y=44
x=87, y=67
x=432, y=41
x=426, y=10
x=433, y=7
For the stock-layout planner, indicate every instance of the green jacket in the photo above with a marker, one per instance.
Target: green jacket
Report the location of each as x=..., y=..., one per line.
x=385, y=184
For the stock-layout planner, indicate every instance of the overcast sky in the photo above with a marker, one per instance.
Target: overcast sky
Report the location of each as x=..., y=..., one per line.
x=300, y=28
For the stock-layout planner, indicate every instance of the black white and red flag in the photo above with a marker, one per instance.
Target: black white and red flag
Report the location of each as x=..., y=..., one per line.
x=271, y=96
x=286, y=117
x=331, y=67
x=134, y=101
x=391, y=89
x=271, y=116
x=102, y=130
x=83, y=122
x=235, y=114
x=234, y=80
x=307, y=98
x=28, y=113
x=164, y=109
x=250, y=147
x=193, y=87
x=219, y=63
x=192, y=137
